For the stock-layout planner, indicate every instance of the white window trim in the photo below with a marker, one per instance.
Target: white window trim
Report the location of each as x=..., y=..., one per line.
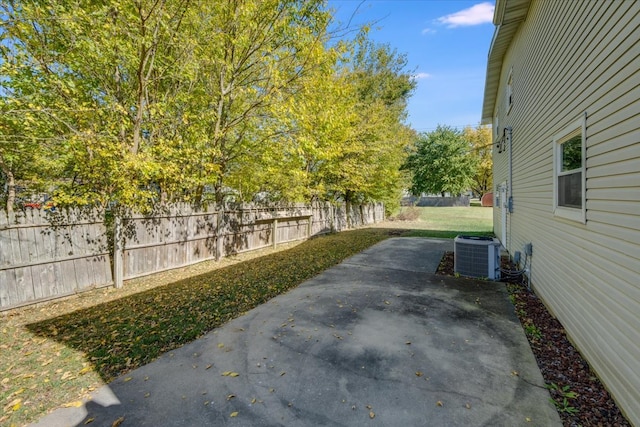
x=573, y=214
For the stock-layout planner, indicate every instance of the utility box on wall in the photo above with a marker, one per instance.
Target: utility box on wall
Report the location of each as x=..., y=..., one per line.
x=477, y=257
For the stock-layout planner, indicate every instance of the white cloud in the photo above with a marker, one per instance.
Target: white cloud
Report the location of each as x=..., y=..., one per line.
x=421, y=76
x=428, y=31
x=481, y=13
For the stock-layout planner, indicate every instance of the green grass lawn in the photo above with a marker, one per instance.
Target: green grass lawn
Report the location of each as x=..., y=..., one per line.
x=55, y=354
x=447, y=222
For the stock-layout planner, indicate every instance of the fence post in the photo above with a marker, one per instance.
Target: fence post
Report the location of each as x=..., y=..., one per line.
x=275, y=232
x=118, y=253
x=219, y=237
x=310, y=226
x=333, y=217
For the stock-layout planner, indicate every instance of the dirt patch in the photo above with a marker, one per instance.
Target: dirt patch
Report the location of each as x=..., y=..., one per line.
x=579, y=396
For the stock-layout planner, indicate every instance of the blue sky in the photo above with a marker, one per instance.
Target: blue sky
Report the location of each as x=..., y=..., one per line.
x=446, y=43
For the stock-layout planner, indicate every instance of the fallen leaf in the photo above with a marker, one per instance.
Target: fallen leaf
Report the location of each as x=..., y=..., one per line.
x=75, y=404
x=14, y=405
x=408, y=343
x=220, y=345
x=419, y=374
x=234, y=414
x=89, y=421
x=439, y=403
x=207, y=367
x=117, y=422
x=231, y=396
x=230, y=374
x=126, y=380
x=528, y=419
x=372, y=415
x=468, y=406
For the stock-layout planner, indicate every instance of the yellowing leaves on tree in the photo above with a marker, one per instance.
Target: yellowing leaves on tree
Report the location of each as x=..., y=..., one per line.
x=130, y=116
x=480, y=140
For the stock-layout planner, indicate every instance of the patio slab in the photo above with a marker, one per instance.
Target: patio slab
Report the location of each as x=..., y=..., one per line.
x=378, y=340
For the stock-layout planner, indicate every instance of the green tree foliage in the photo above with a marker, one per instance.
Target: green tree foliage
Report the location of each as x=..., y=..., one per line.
x=140, y=101
x=256, y=55
x=441, y=163
x=480, y=140
x=105, y=71
x=376, y=146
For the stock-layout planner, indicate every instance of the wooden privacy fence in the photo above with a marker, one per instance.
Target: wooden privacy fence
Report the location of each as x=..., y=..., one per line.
x=49, y=255
x=45, y=256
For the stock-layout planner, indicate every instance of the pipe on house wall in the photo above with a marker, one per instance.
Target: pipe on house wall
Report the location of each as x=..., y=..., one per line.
x=510, y=198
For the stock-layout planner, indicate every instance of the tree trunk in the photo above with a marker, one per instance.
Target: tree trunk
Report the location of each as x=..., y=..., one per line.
x=11, y=185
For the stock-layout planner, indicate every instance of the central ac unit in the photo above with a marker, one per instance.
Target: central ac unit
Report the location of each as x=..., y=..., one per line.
x=477, y=257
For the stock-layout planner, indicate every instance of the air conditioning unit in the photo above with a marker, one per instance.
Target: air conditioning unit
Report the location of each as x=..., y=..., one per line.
x=477, y=257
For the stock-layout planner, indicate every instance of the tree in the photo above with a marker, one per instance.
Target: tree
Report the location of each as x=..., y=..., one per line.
x=480, y=140
x=255, y=56
x=157, y=98
x=380, y=86
x=140, y=101
x=441, y=163
x=104, y=74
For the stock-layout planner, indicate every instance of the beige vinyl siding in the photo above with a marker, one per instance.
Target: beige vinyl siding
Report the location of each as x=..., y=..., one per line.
x=568, y=58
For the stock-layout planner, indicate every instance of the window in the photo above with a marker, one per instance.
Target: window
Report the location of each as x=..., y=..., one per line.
x=569, y=187
x=509, y=93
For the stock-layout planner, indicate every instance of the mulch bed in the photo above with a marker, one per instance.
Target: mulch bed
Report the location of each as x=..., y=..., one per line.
x=579, y=396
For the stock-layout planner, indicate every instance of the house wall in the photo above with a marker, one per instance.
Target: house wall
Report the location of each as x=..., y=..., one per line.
x=568, y=58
